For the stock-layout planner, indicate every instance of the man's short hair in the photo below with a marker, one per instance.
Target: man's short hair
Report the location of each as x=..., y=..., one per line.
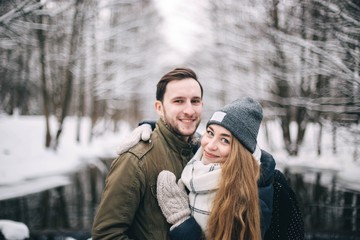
x=176, y=74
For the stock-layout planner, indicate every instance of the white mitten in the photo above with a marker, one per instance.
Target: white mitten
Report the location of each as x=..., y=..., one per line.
x=172, y=198
x=142, y=132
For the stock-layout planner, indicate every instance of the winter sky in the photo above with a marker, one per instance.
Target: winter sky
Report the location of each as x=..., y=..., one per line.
x=186, y=24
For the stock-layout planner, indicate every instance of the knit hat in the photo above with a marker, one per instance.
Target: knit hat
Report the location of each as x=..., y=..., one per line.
x=242, y=118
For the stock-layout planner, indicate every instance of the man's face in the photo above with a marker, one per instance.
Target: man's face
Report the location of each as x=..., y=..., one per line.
x=181, y=107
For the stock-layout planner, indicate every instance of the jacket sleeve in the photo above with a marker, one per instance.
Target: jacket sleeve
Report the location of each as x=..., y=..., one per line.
x=266, y=190
x=189, y=230
x=152, y=123
x=120, y=199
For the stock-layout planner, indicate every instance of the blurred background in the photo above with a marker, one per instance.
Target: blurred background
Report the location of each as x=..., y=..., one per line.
x=88, y=69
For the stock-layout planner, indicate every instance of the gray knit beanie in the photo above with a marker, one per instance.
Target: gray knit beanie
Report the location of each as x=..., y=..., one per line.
x=242, y=118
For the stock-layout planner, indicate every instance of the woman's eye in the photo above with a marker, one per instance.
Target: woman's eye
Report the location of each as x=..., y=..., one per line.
x=210, y=133
x=224, y=140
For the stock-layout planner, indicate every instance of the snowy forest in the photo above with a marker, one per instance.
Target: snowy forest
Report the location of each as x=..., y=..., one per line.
x=102, y=60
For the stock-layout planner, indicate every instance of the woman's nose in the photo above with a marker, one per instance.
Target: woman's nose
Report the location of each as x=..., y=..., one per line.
x=212, y=144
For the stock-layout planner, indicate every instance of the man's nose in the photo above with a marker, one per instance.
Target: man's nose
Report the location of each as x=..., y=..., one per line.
x=189, y=108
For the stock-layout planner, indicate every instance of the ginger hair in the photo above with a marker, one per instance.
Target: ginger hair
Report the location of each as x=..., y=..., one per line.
x=236, y=212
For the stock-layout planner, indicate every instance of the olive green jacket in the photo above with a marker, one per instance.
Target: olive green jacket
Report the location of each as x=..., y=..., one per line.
x=128, y=207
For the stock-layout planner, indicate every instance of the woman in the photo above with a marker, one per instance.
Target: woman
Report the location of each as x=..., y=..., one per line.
x=229, y=196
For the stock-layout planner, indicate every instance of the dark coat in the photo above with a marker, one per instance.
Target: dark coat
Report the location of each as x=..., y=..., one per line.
x=129, y=207
x=266, y=190
x=287, y=222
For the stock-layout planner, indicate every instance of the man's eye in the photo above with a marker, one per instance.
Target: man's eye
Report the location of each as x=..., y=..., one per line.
x=179, y=101
x=196, y=101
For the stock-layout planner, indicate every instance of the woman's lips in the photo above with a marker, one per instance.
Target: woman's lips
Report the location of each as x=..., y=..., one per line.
x=209, y=155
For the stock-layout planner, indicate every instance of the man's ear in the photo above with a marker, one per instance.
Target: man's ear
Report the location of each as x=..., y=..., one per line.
x=159, y=107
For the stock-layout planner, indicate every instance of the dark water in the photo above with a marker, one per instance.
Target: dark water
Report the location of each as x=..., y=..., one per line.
x=329, y=211
x=65, y=211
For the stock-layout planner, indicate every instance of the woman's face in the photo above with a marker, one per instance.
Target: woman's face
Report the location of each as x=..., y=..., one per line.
x=216, y=144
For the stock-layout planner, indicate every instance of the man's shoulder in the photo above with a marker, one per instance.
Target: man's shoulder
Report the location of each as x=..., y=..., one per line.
x=153, y=146
x=135, y=153
x=141, y=148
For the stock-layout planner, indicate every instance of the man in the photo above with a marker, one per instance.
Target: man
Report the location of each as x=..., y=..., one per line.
x=128, y=207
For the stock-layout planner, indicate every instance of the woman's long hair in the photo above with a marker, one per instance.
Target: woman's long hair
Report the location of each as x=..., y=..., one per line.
x=235, y=213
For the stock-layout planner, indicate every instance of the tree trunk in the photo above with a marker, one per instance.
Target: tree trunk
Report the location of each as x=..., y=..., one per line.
x=334, y=149
x=41, y=39
x=81, y=89
x=69, y=76
x=93, y=96
x=319, y=139
x=282, y=88
x=302, y=116
x=81, y=104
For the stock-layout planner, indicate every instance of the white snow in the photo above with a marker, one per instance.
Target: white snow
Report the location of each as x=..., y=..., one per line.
x=27, y=166
x=14, y=230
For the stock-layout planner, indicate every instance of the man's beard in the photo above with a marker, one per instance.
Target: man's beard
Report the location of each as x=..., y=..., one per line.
x=175, y=130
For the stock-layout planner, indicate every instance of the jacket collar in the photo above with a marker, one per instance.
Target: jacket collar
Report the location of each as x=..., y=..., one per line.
x=175, y=142
x=267, y=167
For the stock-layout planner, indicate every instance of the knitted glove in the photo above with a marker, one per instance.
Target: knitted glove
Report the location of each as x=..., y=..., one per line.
x=142, y=132
x=172, y=199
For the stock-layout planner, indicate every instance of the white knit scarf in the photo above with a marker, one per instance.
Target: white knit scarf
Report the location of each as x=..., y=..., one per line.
x=202, y=182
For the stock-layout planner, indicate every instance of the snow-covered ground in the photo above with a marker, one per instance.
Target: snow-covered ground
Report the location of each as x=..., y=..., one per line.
x=345, y=163
x=27, y=166
x=14, y=230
